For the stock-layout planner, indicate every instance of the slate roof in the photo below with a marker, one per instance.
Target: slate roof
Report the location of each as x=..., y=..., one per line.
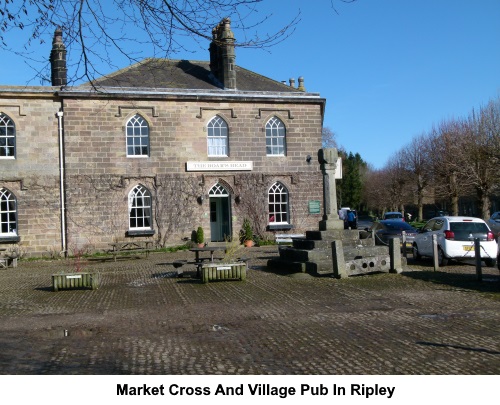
x=158, y=73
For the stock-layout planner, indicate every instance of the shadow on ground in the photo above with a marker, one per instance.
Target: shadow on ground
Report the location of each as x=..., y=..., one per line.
x=489, y=283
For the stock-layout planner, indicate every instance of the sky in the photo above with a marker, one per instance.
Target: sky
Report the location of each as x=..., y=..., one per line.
x=388, y=69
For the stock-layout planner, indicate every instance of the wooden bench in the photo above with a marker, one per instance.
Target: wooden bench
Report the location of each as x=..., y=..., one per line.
x=129, y=247
x=286, y=237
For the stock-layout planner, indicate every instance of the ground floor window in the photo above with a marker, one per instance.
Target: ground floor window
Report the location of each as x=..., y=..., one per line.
x=8, y=213
x=140, y=209
x=278, y=204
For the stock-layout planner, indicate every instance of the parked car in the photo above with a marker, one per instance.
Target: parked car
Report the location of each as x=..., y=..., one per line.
x=498, y=255
x=455, y=239
x=394, y=215
x=494, y=223
x=388, y=229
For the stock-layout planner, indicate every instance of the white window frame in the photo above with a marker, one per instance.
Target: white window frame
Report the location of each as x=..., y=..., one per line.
x=275, y=137
x=137, y=136
x=7, y=137
x=218, y=190
x=278, y=208
x=217, y=137
x=140, y=209
x=8, y=213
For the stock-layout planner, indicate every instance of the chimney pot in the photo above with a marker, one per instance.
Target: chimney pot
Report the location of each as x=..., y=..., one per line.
x=301, y=84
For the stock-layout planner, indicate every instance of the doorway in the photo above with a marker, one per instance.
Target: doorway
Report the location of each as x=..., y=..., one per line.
x=220, y=214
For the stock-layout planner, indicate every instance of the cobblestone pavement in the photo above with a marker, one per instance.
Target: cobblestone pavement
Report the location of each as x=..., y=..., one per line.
x=145, y=320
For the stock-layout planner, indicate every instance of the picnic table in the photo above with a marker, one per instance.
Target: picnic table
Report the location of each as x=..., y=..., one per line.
x=199, y=259
x=127, y=247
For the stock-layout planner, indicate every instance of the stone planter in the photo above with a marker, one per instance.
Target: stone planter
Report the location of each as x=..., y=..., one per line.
x=69, y=281
x=219, y=271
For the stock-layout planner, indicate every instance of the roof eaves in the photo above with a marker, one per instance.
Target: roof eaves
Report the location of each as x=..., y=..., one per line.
x=131, y=91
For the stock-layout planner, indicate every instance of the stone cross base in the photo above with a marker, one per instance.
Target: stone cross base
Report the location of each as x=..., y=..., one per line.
x=328, y=224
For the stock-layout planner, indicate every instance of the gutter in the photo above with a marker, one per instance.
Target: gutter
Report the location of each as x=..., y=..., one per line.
x=62, y=191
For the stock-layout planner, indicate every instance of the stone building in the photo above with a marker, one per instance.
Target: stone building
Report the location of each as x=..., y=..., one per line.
x=156, y=150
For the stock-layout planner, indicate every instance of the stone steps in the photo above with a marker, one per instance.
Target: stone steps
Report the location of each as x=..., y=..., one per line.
x=313, y=254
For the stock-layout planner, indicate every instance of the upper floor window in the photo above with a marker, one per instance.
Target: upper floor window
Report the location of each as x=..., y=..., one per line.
x=7, y=137
x=137, y=137
x=8, y=213
x=139, y=208
x=278, y=204
x=275, y=137
x=217, y=137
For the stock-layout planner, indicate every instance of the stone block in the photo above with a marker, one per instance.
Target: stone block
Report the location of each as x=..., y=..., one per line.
x=339, y=268
x=395, y=255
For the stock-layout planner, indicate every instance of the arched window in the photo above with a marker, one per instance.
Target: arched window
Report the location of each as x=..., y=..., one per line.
x=218, y=190
x=137, y=137
x=139, y=208
x=278, y=204
x=217, y=137
x=7, y=137
x=275, y=137
x=8, y=213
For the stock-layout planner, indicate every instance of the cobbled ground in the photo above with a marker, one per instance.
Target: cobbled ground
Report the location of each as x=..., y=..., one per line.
x=143, y=319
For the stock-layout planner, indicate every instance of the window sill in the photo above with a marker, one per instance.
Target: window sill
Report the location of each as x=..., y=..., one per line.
x=146, y=232
x=279, y=227
x=10, y=239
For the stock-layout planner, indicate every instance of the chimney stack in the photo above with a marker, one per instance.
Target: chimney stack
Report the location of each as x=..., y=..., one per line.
x=222, y=55
x=58, y=60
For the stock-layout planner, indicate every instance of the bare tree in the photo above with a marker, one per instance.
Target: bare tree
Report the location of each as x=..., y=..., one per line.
x=100, y=32
x=328, y=138
x=455, y=159
x=447, y=155
x=481, y=143
x=416, y=159
x=376, y=194
x=399, y=180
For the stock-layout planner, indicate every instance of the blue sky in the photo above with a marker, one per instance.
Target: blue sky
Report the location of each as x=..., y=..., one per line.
x=389, y=69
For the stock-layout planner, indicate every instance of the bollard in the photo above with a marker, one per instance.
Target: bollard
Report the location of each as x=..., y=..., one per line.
x=477, y=253
x=403, y=234
x=395, y=255
x=435, y=252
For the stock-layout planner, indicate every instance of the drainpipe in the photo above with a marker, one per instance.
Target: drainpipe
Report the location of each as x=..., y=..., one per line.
x=61, y=183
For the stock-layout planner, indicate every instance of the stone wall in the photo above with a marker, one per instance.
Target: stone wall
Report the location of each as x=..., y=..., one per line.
x=33, y=176
x=100, y=175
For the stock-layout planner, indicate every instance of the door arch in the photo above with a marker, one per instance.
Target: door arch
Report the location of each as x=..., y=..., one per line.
x=220, y=213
